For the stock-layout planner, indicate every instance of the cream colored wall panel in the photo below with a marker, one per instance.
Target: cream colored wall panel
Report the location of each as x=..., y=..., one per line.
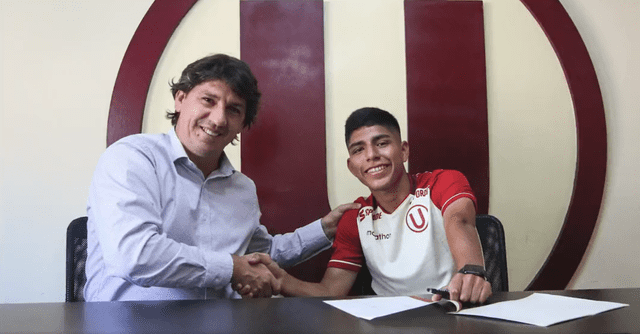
x=611, y=32
x=364, y=67
x=210, y=27
x=58, y=66
x=532, y=138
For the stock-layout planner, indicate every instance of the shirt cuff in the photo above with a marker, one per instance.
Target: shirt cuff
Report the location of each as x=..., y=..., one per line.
x=219, y=270
x=314, y=236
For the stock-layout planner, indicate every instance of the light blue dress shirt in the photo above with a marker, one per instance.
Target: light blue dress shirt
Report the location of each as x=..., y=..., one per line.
x=159, y=230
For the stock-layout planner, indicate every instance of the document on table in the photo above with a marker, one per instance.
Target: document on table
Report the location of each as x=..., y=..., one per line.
x=374, y=307
x=542, y=309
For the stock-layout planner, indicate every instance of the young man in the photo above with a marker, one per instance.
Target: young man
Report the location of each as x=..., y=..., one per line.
x=414, y=232
x=170, y=218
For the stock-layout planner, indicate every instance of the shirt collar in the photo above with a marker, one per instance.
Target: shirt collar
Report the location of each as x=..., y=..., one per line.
x=225, y=168
x=177, y=150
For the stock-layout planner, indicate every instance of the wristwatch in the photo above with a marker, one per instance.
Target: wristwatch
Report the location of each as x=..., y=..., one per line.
x=474, y=270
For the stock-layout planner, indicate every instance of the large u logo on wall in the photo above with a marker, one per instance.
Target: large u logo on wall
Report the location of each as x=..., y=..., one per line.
x=293, y=188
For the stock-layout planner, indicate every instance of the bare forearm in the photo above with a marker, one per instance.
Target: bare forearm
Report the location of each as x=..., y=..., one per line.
x=336, y=282
x=293, y=287
x=464, y=243
x=460, y=226
x=465, y=246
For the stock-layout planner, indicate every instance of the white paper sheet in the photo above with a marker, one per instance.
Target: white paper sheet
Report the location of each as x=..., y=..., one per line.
x=542, y=309
x=374, y=307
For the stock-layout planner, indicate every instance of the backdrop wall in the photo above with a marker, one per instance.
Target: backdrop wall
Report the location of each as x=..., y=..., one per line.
x=60, y=59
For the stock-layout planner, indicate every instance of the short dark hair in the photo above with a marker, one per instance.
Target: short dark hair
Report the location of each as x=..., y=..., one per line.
x=369, y=116
x=233, y=71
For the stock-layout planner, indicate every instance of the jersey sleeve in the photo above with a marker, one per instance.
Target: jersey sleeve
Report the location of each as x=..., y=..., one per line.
x=347, y=250
x=449, y=186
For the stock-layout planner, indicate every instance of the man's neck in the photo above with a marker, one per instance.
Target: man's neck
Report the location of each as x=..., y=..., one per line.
x=206, y=164
x=390, y=199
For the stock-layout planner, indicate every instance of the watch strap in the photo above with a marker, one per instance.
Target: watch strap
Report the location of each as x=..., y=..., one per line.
x=473, y=269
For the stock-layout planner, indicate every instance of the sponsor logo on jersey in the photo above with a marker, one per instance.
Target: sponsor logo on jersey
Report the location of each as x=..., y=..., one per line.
x=380, y=236
x=422, y=192
x=417, y=218
x=366, y=211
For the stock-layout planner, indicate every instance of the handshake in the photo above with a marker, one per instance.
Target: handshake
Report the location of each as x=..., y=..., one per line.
x=257, y=275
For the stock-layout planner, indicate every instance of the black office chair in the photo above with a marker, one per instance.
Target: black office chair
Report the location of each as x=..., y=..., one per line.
x=362, y=285
x=76, y=259
x=494, y=249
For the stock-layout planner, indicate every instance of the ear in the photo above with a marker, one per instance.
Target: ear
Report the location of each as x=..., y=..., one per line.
x=404, y=147
x=178, y=99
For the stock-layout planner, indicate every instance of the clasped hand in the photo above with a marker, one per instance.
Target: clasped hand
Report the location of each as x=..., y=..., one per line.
x=252, y=277
x=256, y=275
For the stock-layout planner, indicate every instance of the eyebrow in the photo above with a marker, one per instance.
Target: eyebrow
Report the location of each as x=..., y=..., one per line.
x=241, y=104
x=374, y=139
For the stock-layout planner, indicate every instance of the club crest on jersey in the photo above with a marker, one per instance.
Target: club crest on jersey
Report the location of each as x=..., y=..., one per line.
x=417, y=218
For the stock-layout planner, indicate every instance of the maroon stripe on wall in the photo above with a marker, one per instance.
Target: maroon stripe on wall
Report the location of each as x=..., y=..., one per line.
x=592, y=145
x=139, y=64
x=446, y=91
x=285, y=151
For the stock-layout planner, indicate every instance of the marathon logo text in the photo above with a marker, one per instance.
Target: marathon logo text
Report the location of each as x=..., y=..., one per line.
x=380, y=236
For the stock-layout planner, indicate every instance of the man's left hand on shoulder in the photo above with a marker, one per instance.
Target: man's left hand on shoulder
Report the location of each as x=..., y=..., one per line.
x=330, y=221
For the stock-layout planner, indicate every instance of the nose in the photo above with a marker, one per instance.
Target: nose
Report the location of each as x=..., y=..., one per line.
x=371, y=152
x=218, y=116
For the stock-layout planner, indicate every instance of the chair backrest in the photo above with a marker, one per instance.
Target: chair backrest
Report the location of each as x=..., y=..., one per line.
x=494, y=249
x=76, y=259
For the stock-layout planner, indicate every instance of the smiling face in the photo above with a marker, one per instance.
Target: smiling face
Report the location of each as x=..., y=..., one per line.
x=376, y=157
x=211, y=115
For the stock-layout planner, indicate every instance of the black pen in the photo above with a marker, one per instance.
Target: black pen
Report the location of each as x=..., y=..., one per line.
x=443, y=293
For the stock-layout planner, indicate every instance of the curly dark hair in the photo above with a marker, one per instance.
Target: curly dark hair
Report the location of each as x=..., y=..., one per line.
x=233, y=71
x=369, y=116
